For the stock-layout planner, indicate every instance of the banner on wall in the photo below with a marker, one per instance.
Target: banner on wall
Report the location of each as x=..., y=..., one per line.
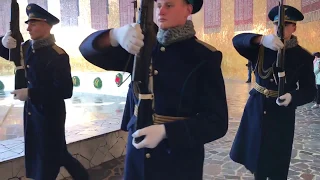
x=270, y=5
x=243, y=15
x=99, y=17
x=4, y=16
x=126, y=11
x=310, y=10
x=69, y=12
x=212, y=16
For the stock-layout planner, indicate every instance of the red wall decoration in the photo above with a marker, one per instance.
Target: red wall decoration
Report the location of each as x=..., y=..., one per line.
x=99, y=16
x=69, y=12
x=243, y=15
x=212, y=16
x=310, y=10
x=5, y=16
x=126, y=12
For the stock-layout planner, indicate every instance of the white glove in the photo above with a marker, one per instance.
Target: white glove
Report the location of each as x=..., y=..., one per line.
x=287, y=99
x=21, y=94
x=272, y=41
x=129, y=37
x=153, y=136
x=8, y=41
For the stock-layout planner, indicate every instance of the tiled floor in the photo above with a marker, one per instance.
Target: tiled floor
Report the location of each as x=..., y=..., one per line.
x=305, y=163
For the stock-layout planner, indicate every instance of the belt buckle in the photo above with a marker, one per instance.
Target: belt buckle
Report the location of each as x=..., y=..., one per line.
x=266, y=92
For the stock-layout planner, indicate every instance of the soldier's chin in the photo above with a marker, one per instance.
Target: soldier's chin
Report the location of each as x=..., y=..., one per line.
x=33, y=37
x=163, y=25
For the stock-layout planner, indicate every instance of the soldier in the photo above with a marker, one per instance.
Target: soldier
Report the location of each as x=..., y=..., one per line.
x=49, y=82
x=264, y=139
x=316, y=69
x=190, y=107
x=249, y=66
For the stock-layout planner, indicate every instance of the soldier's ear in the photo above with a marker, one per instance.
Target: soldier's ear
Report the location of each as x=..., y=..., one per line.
x=294, y=28
x=190, y=9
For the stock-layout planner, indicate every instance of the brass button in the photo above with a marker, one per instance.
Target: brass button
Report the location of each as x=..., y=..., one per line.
x=28, y=66
x=29, y=113
x=264, y=112
x=155, y=72
x=266, y=91
x=148, y=155
x=163, y=49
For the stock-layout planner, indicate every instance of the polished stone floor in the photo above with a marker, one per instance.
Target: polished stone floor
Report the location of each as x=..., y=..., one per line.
x=305, y=163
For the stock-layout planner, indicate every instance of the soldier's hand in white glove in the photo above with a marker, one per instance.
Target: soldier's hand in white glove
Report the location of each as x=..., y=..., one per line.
x=286, y=100
x=21, y=94
x=129, y=37
x=272, y=41
x=8, y=41
x=153, y=136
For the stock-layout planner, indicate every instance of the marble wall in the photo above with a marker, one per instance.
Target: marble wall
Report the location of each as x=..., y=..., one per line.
x=90, y=152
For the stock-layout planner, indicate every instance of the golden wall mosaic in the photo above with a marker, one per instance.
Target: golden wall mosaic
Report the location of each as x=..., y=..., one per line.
x=233, y=65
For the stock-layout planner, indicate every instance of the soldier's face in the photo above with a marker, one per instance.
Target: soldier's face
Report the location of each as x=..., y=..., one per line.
x=172, y=13
x=38, y=29
x=289, y=29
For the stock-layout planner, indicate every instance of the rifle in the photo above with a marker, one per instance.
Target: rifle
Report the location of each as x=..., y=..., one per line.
x=142, y=70
x=281, y=52
x=14, y=54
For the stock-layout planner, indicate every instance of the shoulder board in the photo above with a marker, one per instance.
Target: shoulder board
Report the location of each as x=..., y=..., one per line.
x=306, y=50
x=213, y=49
x=58, y=49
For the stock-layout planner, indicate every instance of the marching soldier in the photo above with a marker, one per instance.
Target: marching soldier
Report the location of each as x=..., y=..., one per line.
x=190, y=107
x=49, y=82
x=264, y=139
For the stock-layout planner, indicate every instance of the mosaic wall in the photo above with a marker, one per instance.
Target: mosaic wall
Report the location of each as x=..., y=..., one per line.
x=233, y=64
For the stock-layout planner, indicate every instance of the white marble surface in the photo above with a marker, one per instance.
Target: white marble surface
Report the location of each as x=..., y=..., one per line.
x=90, y=152
x=92, y=124
x=14, y=148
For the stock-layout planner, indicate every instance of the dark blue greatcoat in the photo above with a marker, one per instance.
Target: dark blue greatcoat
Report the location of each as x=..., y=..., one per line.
x=3, y=51
x=265, y=136
x=188, y=83
x=49, y=82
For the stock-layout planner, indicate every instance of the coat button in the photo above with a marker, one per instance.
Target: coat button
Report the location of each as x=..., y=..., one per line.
x=266, y=91
x=29, y=113
x=264, y=112
x=33, y=51
x=28, y=66
x=29, y=82
x=148, y=155
x=163, y=49
x=271, y=80
x=156, y=72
